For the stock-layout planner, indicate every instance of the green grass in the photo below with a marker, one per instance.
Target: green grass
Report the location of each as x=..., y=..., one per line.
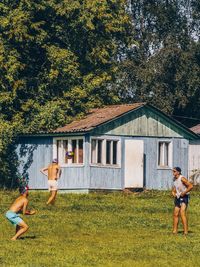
x=101, y=230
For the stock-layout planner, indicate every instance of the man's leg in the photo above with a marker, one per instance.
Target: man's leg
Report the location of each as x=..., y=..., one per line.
x=52, y=197
x=175, y=219
x=184, y=218
x=22, y=228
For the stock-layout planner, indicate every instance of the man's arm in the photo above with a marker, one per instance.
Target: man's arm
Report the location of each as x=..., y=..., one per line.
x=187, y=184
x=25, y=206
x=43, y=171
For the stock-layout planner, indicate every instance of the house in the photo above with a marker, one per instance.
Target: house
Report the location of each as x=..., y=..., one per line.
x=194, y=156
x=114, y=147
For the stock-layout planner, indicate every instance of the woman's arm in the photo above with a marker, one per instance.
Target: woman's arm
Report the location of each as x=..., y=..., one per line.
x=188, y=185
x=174, y=191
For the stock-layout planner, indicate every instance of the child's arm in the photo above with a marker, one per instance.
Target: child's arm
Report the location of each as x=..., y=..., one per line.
x=187, y=184
x=58, y=172
x=43, y=171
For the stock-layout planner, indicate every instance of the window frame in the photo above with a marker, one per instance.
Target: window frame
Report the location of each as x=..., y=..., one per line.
x=170, y=154
x=103, y=163
x=69, y=139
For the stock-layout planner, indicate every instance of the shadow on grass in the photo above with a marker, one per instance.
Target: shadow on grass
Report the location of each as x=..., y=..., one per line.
x=28, y=237
x=189, y=232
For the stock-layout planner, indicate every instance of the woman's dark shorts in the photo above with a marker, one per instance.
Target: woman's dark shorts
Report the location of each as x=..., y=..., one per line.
x=178, y=201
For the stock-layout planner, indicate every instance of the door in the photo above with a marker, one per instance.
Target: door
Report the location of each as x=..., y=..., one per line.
x=134, y=174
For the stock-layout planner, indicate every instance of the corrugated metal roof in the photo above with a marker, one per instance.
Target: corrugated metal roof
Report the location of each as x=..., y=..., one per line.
x=96, y=117
x=196, y=129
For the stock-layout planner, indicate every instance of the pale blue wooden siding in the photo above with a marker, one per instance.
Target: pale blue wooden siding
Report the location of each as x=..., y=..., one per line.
x=36, y=153
x=181, y=154
x=155, y=177
x=142, y=122
x=105, y=178
x=74, y=178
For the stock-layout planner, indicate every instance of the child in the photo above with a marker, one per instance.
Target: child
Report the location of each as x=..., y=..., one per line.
x=53, y=172
x=20, y=204
x=180, y=191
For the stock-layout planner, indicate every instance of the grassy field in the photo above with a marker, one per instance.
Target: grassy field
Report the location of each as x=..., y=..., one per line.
x=112, y=229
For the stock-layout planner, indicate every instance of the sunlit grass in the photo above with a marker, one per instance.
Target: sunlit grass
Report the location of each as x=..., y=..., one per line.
x=101, y=230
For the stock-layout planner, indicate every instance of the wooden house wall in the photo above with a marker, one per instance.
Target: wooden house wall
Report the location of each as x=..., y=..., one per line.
x=36, y=153
x=154, y=177
x=105, y=178
x=194, y=156
x=142, y=122
x=159, y=178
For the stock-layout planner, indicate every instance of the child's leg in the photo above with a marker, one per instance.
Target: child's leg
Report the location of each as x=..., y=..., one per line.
x=23, y=227
x=175, y=219
x=17, y=228
x=52, y=197
x=184, y=218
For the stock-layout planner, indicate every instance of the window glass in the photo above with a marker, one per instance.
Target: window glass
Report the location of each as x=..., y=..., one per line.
x=93, y=151
x=166, y=154
x=108, y=152
x=160, y=153
x=114, y=152
x=80, y=151
x=163, y=154
x=74, y=150
x=65, y=146
x=99, y=151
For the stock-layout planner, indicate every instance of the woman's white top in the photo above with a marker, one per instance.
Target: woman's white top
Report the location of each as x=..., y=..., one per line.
x=179, y=186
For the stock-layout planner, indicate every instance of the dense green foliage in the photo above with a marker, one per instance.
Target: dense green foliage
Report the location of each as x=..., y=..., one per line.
x=101, y=230
x=56, y=61
x=164, y=68
x=56, y=58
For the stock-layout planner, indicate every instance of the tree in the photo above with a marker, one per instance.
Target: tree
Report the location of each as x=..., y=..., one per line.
x=56, y=60
x=164, y=67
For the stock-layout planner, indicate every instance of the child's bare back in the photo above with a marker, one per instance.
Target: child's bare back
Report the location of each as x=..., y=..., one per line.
x=19, y=204
x=53, y=170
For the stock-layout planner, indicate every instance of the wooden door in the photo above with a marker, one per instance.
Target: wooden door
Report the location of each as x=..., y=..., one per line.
x=134, y=174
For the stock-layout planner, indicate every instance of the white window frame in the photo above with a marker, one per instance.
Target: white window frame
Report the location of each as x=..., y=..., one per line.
x=103, y=162
x=96, y=151
x=61, y=152
x=169, y=142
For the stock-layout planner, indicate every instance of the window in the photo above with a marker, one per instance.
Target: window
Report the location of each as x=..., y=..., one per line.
x=164, y=154
x=111, y=152
x=105, y=152
x=97, y=151
x=69, y=150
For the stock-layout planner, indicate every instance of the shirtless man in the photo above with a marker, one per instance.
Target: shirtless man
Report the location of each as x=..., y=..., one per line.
x=53, y=173
x=20, y=204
